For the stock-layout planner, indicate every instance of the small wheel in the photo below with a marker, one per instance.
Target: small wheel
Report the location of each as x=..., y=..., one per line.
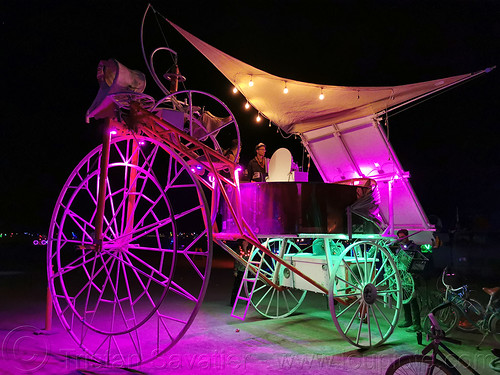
x=407, y=285
x=474, y=312
x=417, y=364
x=266, y=299
x=132, y=298
x=447, y=316
x=189, y=110
x=365, y=277
x=494, y=326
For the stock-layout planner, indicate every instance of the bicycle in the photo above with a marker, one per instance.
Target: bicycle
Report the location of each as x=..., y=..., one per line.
x=431, y=364
x=458, y=305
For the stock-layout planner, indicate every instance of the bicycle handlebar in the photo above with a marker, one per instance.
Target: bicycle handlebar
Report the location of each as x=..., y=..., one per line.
x=448, y=287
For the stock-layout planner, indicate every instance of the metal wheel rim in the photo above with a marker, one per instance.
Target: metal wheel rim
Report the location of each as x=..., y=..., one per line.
x=407, y=286
x=123, y=344
x=446, y=315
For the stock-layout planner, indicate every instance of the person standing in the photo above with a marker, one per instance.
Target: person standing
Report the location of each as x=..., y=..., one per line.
x=411, y=309
x=257, y=167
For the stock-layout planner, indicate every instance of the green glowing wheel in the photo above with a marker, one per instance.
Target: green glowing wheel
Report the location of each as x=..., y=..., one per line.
x=364, y=278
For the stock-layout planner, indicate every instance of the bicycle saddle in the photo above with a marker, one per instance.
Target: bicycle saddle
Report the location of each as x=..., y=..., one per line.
x=492, y=291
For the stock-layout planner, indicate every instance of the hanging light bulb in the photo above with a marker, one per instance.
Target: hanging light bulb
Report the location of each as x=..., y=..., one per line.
x=285, y=90
x=251, y=82
x=321, y=95
x=247, y=106
x=258, y=118
x=235, y=90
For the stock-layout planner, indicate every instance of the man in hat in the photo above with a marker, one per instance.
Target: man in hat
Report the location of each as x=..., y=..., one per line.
x=257, y=167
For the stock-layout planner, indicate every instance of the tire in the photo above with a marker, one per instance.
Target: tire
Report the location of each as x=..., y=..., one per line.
x=494, y=326
x=474, y=312
x=447, y=316
x=418, y=364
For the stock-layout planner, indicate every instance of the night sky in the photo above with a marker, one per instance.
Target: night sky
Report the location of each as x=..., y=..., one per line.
x=50, y=51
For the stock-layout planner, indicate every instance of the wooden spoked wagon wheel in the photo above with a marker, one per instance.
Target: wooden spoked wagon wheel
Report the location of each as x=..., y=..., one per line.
x=364, y=279
x=266, y=299
x=129, y=298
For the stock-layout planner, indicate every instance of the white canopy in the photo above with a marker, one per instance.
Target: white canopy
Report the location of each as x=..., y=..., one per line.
x=301, y=109
x=341, y=132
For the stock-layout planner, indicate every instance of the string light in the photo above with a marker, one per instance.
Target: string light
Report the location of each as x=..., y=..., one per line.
x=235, y=90
x=258, y=118
x=321, y=95
x=251, y=82
x=285, y=90
x=247, y=106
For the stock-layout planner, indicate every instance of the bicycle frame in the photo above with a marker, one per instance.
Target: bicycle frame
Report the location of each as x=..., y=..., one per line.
x=434, y=346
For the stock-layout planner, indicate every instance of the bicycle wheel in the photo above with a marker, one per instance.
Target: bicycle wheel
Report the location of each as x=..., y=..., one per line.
x=473, y=313
x=267, y=300
x=494, y=326
x=446, y=315
x=407, y=286
x=419, y=364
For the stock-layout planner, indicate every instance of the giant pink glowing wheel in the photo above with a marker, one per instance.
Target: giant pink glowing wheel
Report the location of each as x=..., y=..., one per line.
x=366, y=279
x=132, y=300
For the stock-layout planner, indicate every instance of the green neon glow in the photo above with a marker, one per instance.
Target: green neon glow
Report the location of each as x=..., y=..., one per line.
x=426, y=248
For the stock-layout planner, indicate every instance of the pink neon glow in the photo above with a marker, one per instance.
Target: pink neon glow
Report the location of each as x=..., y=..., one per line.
x=237, y=177
x=112, y=132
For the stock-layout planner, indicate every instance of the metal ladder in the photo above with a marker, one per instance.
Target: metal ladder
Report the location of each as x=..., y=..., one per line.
x=249, y=278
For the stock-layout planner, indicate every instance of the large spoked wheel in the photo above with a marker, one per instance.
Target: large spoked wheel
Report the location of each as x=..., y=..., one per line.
x=266, y=299
x=131, y=298
x=364, y=280
x=446, y=315
x=418, y=364
x=186, y=109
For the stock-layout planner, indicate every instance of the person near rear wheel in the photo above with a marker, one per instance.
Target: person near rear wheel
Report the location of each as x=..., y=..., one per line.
x=411, y=309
